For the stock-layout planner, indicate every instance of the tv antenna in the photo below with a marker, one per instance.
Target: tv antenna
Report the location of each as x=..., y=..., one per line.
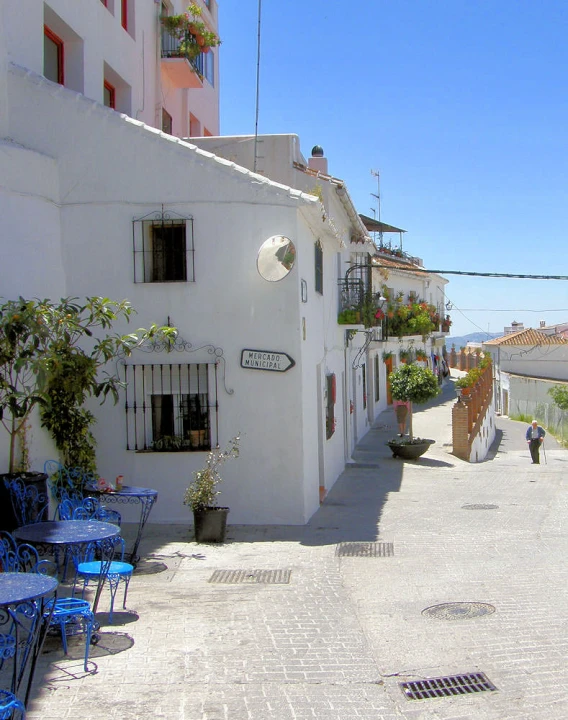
x=375, y=173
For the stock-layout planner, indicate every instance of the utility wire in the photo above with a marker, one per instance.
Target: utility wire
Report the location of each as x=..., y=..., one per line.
x=550, y=310
x=480, y=274
x=257, y=87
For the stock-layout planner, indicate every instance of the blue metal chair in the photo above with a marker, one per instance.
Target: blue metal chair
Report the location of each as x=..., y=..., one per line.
x=30, y=504
x=87, y=570
x=9, y=704
x=102, y=513
x=64, y=483
x=73, y=616
x=70, y=615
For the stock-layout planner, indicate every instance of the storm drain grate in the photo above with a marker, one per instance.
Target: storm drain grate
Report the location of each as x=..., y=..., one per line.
x=480, y=506
x=359, y=549
x=446, y=686
x=272, y=577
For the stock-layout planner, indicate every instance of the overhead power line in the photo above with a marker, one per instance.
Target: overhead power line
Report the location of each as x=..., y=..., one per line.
x=481, y=274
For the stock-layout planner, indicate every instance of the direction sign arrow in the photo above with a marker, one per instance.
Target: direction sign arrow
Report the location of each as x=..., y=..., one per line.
x=266, y=360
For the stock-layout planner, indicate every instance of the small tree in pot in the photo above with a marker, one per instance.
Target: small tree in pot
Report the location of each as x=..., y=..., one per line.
x=210, y=520
x=413, y=384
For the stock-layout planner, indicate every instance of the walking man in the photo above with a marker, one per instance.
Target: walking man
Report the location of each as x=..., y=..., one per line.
x=535, y=436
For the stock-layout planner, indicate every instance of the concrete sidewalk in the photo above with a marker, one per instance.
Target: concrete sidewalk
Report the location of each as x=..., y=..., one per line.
x=409, y=570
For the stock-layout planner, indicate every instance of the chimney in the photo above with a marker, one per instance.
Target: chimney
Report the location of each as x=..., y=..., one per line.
x=318, y=162
x=543, y=323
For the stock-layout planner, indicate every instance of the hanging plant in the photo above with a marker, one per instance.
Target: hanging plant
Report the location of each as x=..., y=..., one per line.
x=192, y=33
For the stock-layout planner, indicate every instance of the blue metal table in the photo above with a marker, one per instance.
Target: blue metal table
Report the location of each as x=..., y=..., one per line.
x=130, y=494
x=24, y=612
x=59, y=533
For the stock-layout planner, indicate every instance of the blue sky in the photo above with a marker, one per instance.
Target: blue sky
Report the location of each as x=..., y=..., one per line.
x=461, y=106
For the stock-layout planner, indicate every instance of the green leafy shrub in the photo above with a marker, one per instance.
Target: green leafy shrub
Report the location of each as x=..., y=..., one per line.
x=203, y=492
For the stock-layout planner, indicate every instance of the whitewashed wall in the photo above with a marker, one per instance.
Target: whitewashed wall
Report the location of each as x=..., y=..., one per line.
x=126, y=170
x=483, y=441
x=96, y=45
x=543, y=361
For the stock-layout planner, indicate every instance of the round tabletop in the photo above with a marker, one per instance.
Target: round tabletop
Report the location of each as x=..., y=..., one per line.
x=18, y=587
x=66, y=532
x=131, y=490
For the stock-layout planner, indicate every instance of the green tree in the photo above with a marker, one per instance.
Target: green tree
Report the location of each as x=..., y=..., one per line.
x=413, y=384
x=559, y=394
x=53, y=356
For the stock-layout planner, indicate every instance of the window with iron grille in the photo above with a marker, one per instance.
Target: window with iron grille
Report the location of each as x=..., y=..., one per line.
x=171, y=407
x=163, y=248
x=319, y=267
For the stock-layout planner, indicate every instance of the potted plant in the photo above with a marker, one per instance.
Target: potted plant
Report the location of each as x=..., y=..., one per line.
x=171, y=443
x=191, y=34
x=210, y=520
x=467, y=381
x=347, y=317
x=413, y=384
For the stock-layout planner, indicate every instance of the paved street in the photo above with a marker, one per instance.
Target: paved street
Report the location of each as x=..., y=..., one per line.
x=334, y=634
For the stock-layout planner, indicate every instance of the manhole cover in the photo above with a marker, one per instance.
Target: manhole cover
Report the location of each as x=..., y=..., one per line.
x=480, y=506
x=273, y=577
x=360, y=549
x=458, y=611
x=447, y=686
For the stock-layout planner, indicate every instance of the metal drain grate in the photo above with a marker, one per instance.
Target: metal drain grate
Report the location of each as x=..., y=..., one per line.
x=480, y=506
x=360, y=549
x=272, y=577
x=446, y=686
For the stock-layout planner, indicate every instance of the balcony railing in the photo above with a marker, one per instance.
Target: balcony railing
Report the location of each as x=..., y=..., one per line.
x=351, y=294
x=186, y=48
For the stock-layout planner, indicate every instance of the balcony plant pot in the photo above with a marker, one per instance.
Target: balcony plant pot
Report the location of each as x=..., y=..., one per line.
x=409, y=449
x=210, y=524
x=8, y=518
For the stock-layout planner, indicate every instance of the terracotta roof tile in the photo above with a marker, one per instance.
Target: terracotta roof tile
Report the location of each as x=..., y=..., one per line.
x=528, y=337
x=398, y=265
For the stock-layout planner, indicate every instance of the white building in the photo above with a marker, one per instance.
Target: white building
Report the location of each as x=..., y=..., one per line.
x=100, y=202
x=526, y=365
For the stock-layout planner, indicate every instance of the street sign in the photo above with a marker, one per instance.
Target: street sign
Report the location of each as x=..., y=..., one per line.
x=266, y=360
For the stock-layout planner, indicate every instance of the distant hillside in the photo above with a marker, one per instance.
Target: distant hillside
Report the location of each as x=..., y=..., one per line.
x=477, y=337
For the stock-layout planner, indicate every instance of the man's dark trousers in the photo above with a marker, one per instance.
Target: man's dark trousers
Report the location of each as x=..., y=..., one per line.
x=534, y=447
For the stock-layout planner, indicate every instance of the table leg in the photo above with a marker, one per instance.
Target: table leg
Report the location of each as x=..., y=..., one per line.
x=30, y=623
x=44, y=623
x=106, y=548
x=146, y=505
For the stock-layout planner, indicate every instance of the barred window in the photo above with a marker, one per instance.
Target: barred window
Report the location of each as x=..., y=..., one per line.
x=163, y=248
x=171, y=407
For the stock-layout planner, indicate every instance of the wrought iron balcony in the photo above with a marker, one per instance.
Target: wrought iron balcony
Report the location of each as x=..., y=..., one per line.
x=351, y=294
x=182, y=60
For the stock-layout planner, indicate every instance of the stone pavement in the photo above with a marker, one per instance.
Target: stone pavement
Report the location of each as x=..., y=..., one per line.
x=334, y=640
